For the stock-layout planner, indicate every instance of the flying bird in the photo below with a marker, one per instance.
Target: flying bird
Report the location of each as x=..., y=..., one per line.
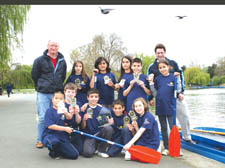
x=181, y=17
x=105, y=11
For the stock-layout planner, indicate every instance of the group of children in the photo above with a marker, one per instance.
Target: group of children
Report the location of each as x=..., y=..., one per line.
x=88, y=105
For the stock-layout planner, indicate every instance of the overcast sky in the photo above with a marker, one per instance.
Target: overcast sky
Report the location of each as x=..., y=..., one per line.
x=199, y=38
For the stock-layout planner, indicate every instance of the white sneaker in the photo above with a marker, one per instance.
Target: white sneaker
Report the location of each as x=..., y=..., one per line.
x=104, y=155
x=165, y=152
x=127, y=156
x=181, y=153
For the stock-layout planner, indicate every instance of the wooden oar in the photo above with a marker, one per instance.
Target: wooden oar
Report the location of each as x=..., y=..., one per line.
x=205, y=131
x=142, y=153
x=211, y=132
x=174, y=137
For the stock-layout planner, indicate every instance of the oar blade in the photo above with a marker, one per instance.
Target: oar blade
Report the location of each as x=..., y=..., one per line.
x=145, y=154
x=174, y=142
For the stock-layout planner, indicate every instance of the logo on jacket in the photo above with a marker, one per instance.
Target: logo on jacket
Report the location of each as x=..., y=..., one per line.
x=170, y=84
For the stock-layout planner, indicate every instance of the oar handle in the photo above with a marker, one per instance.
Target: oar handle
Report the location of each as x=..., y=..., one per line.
x=98, y=138
x=211, y=132
x=175, y=101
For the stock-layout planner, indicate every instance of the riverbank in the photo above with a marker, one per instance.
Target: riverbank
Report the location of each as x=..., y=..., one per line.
x=18, y=134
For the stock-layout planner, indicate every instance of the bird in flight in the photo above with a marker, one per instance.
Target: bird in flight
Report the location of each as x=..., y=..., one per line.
x=105, y=11
x=181, y=17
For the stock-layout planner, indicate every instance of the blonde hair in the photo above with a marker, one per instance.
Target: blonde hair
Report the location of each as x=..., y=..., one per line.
x=143, y=102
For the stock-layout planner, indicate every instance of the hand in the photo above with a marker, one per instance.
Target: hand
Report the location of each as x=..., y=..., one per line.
x=141, y=83
x=110, y=83
x=176, y=74
x=180, y=96
x=111, y=121
x=95, y=70
x=127, y=146
x=130, y=127
x=135, y=125
x=84, y=107
x=150, y=78
x=151, y=102
x=76, y=109
x=69, y=130
x=85, y=117
x=132, y=82
x=117, y=86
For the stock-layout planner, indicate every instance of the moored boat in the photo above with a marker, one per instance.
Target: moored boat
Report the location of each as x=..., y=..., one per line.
x=208, y=145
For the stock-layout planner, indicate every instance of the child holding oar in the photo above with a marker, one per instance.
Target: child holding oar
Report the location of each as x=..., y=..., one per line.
x=163, y=90
x=145, y=127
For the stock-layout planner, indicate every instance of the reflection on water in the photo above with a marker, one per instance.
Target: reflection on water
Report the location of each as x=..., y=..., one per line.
x=206, y=107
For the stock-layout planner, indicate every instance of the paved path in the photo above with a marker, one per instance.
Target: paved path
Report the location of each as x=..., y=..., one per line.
x=18, y=135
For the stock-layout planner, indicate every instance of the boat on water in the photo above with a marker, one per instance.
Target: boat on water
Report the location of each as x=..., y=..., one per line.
x=208, y=144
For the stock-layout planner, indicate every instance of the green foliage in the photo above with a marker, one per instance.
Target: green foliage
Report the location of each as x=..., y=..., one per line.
x=196, y=76
x=146, y=61
x=218, y=80
x=20, y=78
x=12, y=19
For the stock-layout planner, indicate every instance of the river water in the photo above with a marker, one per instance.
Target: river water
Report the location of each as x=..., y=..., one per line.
x=206, y=107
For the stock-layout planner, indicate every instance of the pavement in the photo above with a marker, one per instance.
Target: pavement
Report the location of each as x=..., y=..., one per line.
x=18, y=138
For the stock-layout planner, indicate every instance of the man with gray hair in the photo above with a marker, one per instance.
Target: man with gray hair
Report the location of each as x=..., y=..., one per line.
x=48, y=73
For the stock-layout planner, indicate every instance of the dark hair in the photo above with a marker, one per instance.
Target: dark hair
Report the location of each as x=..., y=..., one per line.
x=144, y=103
x=98, y=61
x=164, y=61
x=70, y=86
x=83, y=73
x=161, y=46
x=122, y=71
x=119, y=102
x=58, y=91
x=137, y=60
x=92, y=91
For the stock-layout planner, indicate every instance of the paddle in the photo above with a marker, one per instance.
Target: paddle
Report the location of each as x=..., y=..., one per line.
x=174, y=137
x=142, y=153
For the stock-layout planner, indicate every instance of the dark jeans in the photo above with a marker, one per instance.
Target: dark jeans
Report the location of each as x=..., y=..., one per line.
x=77, y=142
x=90, y=145
x=163, y=119
x=58, y=147
x=123, y=138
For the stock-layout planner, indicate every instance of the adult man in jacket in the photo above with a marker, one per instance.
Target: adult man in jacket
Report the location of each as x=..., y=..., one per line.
x=48, y=73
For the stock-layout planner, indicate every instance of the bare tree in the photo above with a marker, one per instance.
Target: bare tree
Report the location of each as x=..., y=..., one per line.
x=111, y=48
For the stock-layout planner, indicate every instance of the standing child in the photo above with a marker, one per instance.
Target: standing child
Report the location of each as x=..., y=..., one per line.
x=121, y=122
x=163, y=90
x=96, y=122
x=56, y=129
x=125, y=72
x=145, y=127
x=79, y=77
x=103, y=79
x=74, y=106
x=136, y=85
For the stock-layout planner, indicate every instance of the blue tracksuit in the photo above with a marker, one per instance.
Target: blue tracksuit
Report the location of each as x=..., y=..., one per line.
x=57, y=142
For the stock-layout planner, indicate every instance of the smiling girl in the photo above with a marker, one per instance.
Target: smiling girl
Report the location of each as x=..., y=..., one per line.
x=145, y=128
x=103, y=79
x=79, y=77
